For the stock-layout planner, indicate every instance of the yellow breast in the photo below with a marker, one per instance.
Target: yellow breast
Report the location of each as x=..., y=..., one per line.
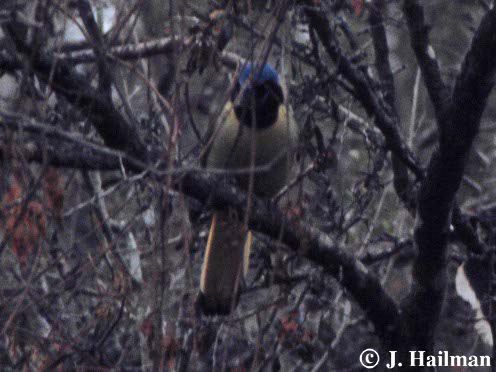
x=264, y=152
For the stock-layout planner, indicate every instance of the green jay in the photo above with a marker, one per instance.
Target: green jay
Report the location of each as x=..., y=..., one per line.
x=256, y=139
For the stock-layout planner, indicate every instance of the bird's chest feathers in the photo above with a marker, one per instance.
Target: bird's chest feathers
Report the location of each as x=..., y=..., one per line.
x=237, y=145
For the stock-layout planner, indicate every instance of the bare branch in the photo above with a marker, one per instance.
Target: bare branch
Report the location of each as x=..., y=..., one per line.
x=426, y=58
x=75, y=88
x=378, y=31
x=309, y=242
x=143, y=49
x=47, y=143
x=363, y=91
x=444, y=175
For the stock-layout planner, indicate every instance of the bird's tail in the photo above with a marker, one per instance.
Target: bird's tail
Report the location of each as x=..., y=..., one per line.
x=225, y=264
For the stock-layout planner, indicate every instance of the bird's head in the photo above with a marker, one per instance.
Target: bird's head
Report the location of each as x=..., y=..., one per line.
x=260, y=96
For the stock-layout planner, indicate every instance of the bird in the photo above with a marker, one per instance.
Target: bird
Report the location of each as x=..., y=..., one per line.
x=258, y=133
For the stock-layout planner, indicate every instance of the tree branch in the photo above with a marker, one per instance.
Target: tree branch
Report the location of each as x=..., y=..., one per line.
x=444, y=175
x=144, y=49
x=309, y=242
x=75, y=88
x=49, y=144
x=378, y=31
x=362, y=90
x=265, y=218
x=426, y=58
x=105, y=76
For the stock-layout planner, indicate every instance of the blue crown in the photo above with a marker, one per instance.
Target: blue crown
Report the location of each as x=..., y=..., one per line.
x=268, y=73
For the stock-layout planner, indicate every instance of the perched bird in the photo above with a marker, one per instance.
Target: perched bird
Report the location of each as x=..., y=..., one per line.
x=256, y=139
